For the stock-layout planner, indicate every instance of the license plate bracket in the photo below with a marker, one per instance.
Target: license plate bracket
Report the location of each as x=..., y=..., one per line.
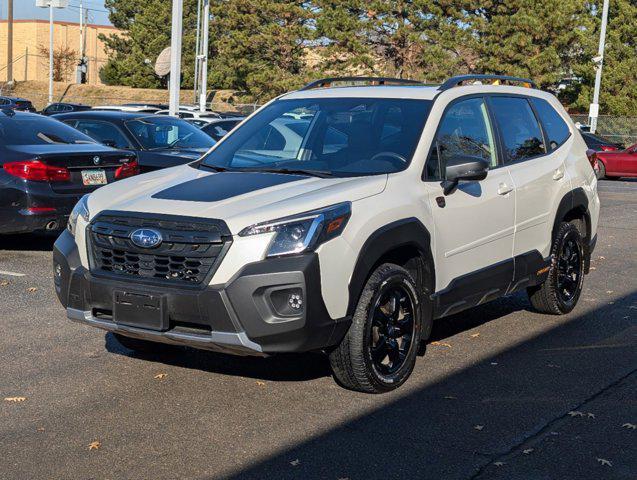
x=140, y=310
x=94, y=177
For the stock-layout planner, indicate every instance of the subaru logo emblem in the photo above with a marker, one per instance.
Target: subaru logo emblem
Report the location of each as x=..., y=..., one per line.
x=146, y=238
x=96, y=160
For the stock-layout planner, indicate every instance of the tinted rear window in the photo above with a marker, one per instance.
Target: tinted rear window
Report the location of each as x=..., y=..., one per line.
x=37, y=130
x=521, y=133
x=555, y=127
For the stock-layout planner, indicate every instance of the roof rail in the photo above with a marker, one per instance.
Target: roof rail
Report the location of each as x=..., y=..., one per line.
x=456, y=81
x=326, y=82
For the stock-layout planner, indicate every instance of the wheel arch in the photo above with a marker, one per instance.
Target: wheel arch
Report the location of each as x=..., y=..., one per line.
x=399, y=242
x=574, y=206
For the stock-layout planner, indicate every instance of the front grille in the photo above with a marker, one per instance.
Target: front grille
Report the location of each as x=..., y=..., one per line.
x=190, y=251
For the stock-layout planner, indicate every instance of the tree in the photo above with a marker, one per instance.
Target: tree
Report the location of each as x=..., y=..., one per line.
x=542, y=39
x=147, y=26
x=258, y=46
x=64, y=59
x=618, y=95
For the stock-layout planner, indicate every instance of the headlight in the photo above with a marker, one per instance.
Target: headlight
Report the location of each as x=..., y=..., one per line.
x=80, y=210
x=303, y=232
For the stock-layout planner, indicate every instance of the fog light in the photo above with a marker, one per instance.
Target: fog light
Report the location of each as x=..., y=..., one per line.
x=295, y=301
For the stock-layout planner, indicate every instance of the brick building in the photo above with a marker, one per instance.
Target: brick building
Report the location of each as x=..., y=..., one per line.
x=30, y=35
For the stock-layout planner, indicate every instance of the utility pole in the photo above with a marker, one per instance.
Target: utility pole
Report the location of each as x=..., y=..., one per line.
x=203, y=94
x=81, y=31
x=196, y=82
x=50, y=52
x=10, y=41
x=599, y=62
x=175, y=56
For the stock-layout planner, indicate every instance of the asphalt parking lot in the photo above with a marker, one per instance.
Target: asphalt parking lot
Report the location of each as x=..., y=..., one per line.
x=501, y=393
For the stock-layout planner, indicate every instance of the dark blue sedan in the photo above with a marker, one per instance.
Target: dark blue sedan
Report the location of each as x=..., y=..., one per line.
x=159, y=141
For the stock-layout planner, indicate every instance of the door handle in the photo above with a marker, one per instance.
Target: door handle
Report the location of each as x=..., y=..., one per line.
x=503, y=189
x=558, y=175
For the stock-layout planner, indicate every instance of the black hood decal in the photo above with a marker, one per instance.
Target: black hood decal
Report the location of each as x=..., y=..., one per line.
x=219, y=186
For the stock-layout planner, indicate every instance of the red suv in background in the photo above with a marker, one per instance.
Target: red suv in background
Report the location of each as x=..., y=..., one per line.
x=615, y=164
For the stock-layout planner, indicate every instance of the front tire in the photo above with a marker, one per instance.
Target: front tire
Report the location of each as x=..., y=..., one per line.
x=378, y=353
x=562, y=288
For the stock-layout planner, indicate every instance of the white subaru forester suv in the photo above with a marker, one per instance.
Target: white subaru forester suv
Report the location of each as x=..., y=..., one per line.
x=343, y=220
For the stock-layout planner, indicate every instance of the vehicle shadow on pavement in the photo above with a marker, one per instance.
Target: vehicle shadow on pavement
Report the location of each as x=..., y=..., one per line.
x=503, y=417
x=281, y=368
x=308, y=366
x=39, y=242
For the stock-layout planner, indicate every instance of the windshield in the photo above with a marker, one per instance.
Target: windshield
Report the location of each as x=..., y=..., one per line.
x=38, y=130
x=158, y=132
x=332, y=136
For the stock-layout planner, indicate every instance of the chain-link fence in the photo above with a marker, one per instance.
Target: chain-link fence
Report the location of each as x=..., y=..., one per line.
x=617, y=129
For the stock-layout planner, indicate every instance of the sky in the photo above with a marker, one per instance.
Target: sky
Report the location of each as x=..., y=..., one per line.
x=26, y=10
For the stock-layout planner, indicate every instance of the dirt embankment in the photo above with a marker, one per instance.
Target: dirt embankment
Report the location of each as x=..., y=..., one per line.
x=38, y=93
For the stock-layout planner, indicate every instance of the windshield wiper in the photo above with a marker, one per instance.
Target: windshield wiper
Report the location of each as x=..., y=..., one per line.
x=215, y=167
x=290, y=171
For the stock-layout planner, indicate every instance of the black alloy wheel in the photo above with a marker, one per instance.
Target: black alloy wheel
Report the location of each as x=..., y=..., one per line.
x=392, y=328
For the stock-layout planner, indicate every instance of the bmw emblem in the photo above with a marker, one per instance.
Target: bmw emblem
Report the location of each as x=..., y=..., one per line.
x=146, y=238
x=96, y=160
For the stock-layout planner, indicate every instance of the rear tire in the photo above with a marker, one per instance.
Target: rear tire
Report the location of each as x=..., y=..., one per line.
x=601, y=173
x=378, y=353
x=562, y=288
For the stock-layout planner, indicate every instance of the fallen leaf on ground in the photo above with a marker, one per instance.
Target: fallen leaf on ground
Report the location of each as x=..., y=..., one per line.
x=478, y=427
x=4, y=283
x=527, y=451
x=609, y=291
x=32, y=289
x=576, y=414
x=632, y=426
x=602, y=258
x=160, y=376
x=592, y=268
x=475, y=335
x=590, y=415
x=14, y=399
x=94, y=445
x=260, y=383
x=40, y=429
x=450, y=397
x=498, y=464
x=494, y=363
x=441, y=344
x=295, y=463
x=604, y=462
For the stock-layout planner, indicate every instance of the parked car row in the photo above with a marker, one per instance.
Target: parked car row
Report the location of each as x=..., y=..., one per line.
x=50, y=161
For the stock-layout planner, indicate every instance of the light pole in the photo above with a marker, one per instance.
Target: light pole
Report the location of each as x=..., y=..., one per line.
x=599, y=63
x=51, y=4
x=175, y=56
x=204, y=57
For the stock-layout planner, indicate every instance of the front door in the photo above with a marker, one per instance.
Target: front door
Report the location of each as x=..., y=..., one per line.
x=473, y=226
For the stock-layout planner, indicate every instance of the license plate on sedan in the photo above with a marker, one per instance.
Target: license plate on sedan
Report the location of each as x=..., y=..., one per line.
x=94, y=177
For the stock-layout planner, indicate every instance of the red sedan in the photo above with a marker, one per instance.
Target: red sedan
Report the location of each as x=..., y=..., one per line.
x=613, y=165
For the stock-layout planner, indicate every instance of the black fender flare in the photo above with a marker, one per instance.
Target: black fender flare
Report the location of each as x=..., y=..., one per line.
x=575, y=199
x=409, y=232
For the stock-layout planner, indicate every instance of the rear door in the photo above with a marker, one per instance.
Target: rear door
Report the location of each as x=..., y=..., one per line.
x=473, y=225
x=534, y=153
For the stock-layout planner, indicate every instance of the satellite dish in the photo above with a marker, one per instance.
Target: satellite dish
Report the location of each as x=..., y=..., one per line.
x=162, y=64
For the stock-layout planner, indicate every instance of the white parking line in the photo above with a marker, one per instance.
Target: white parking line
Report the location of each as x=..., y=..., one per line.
x=12, y=274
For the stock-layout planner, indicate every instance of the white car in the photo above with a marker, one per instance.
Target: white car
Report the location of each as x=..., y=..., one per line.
x=343, y=220
x=128, y=108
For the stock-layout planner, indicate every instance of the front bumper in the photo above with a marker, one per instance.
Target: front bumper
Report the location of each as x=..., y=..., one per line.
x=248, y=315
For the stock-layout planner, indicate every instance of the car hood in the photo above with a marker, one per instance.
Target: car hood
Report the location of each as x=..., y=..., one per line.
x=239, y=198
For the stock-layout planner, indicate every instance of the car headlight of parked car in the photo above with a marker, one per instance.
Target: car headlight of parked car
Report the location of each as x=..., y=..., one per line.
x=303, y=232
x=80, y=210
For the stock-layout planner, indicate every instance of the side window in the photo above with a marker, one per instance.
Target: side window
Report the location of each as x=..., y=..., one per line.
x=555, y=127
x=520, y=131
x=464, y=131
x=103, y=132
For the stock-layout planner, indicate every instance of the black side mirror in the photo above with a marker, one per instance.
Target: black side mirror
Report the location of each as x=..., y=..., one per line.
x=109, y=143
x=464, y=168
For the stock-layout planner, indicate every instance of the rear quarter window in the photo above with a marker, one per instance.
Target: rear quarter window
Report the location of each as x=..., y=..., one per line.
x=555, y=127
